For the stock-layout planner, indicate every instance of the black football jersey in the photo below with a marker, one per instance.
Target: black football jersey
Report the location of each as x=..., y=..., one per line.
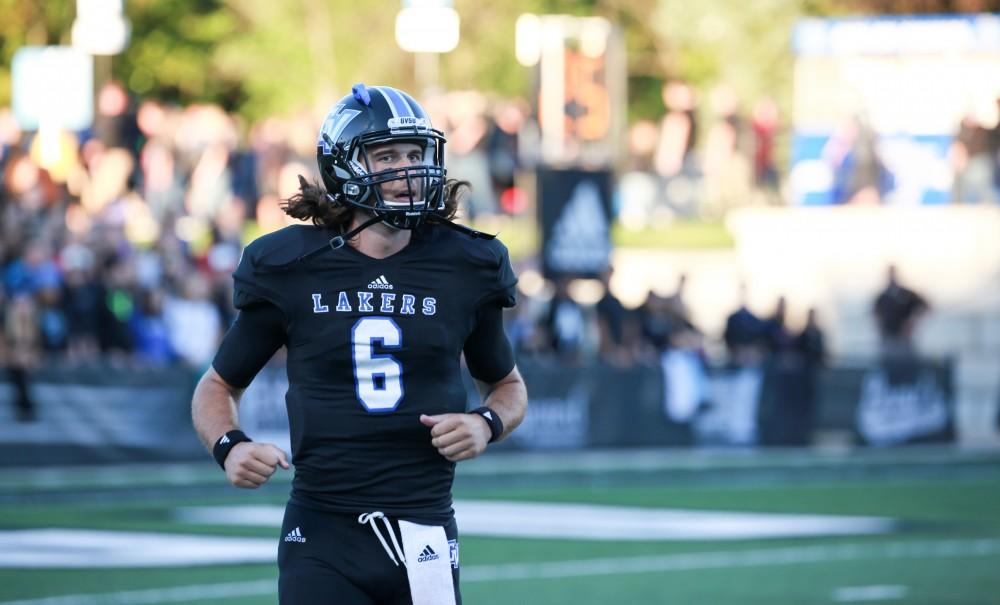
x=372, y=345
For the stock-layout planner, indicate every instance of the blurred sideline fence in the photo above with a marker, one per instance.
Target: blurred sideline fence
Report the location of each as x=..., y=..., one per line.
x=97, y=415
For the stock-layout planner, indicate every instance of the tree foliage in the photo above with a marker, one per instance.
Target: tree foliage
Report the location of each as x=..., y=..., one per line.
x=262, y=57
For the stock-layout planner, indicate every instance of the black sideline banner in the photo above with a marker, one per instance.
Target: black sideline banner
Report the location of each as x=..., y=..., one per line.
x=104, y=415
x=575, y=213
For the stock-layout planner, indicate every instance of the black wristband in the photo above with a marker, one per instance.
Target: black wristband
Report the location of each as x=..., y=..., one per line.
x=492, y=419
x=225, y=443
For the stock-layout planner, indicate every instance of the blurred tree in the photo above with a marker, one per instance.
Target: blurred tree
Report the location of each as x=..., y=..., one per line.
x=721, y=41
x=261, y=57
x=170, y=55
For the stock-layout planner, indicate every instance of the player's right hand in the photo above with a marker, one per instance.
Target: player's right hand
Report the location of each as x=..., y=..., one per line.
x=250, y=464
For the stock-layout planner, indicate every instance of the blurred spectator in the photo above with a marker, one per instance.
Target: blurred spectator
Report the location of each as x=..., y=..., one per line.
x=811, y=343
x=150, y=331
x=643, y=139
x=467, y=149
x=677, y=307
x=503, y=149
x=674, y=159
x=118, y=309
x=725, y=165
x=764, y=122
x=776, y=337
x=115, y=123
x=523, y=329
x=32, y=271
x=53, y=325
x=24, y=351
x=161, y=186
x=897, y=310
x=83, y=302
x=788, y=393
x=657, y=325
x=744, y=335
x=972, y=161
x=678, y=130
x=616, y=332
x=193, y=322
x=566, y=323
x=679, y=348
x=10, y=133
x=639, y=187
x=994, y=144
x=860, y=176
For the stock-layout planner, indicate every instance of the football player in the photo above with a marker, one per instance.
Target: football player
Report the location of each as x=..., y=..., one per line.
x=375, y=302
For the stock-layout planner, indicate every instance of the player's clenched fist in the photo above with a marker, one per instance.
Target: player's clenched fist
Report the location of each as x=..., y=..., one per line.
x=251, y=464
x=457, y=436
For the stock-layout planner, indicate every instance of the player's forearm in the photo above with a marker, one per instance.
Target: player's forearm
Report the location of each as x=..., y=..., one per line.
x=509, y=399
x=214, y=408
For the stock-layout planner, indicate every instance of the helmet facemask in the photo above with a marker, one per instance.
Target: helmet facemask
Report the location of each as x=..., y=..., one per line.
x=402, y=194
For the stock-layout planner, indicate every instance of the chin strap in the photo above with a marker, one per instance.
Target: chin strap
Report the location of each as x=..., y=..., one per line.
x=338, y=241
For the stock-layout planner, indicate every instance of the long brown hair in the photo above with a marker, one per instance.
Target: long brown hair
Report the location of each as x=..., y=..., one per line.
x=311, y=203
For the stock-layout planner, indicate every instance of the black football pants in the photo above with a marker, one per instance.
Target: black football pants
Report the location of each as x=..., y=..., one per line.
x=330, y=559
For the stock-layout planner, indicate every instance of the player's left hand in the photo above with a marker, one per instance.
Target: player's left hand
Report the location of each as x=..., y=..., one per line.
x=458, y=436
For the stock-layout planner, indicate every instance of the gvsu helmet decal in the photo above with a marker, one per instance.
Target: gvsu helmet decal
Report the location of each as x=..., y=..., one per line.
x=371, y=118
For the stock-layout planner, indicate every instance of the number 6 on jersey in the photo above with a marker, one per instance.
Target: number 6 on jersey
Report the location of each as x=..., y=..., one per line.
x=378, y=377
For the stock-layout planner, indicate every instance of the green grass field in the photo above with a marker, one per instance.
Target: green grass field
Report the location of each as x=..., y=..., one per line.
x=944, y=547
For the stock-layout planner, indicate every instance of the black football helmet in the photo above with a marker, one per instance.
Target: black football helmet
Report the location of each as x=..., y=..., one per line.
x=378, y=115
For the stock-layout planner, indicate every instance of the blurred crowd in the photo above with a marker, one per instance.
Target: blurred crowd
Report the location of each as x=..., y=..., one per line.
x=117, y=244
x=558, y=323
x=701, y=159
x=580, y=327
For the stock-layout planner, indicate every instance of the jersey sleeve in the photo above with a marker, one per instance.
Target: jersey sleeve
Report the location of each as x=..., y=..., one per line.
x=496, y=277
x=488, y=352
x=257, y=333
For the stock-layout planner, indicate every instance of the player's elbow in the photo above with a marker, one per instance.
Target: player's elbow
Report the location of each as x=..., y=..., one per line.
x=212, y=390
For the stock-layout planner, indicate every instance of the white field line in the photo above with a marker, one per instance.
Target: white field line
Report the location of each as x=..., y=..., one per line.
x=856, y=594
x=579, y=568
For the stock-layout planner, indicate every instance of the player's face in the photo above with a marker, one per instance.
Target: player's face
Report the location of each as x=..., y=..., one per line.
x=396, y=156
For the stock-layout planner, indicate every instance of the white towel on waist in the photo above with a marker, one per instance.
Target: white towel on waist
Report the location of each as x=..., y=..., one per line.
x=428, y=564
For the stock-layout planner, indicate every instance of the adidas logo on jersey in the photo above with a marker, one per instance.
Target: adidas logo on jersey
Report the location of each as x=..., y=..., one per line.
x=295, y=536
x=380, y=284
x=428, y=554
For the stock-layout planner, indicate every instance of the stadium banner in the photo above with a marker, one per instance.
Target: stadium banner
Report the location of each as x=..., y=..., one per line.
x=905, y=401
x=730, y=412
x=90, y=415
x=100, y=415
x=574, y=209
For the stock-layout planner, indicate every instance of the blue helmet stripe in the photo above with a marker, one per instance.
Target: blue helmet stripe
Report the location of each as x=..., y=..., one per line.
x=398, y=104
